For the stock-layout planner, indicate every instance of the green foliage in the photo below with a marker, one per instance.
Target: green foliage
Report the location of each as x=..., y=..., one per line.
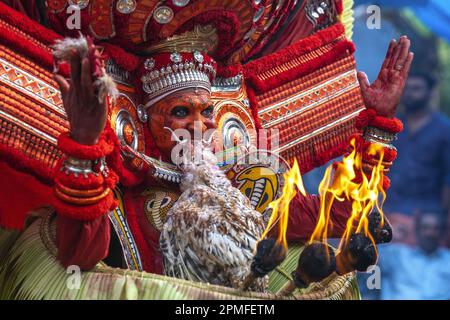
x=444, y=60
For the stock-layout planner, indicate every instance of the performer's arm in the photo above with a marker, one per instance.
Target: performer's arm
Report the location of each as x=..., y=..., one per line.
x=303, y=215
x=83, y=185
x=83, y=189
x=304, y=210
x=377, y=124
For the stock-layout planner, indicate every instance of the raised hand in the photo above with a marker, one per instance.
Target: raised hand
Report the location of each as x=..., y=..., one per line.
x=385, y=92
x=87, y=117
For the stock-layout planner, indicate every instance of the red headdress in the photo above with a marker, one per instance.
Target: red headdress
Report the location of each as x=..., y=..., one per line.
x=307, y=89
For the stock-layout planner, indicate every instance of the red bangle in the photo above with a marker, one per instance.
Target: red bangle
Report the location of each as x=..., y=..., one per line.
x=84, y=193
x=85, y=212
x=369, y=117
x=104, y=146
x=81, y=201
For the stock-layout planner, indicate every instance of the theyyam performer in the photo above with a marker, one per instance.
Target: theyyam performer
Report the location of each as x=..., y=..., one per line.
x=95, y=119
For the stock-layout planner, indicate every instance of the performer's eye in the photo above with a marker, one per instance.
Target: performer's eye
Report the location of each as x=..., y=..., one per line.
x=208, y=112
x=180, y=112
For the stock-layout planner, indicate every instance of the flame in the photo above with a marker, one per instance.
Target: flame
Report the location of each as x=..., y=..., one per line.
x=280, y=207
x=365, y=195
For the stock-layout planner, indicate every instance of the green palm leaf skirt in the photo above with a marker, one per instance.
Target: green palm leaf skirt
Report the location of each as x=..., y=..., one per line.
x=29, y=270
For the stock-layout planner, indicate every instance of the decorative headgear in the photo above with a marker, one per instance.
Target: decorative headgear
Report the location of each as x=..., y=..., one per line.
x=166, y=73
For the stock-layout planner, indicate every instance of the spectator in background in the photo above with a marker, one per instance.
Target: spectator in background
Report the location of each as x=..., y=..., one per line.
x=420, y=272
x=420, y=176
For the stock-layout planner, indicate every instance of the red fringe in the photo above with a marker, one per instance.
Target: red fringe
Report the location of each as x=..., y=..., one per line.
x=341, y=50
x=20, y=43
x=19, y=161
x=89, y=212
x=104, y=147
x=111, y=180
x=369, y=117
x=386, y=184
x=27, y=25
x=290, y=53
x=229, y=71
x=390, y=154
x=324, y=157
x=123, y=59
x=390, y=125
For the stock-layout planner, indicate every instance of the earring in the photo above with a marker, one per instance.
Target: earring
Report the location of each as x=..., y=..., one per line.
x=142, y=113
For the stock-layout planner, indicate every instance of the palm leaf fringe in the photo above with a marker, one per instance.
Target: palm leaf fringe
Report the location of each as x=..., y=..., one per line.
x=29, y=270
x=347, y=17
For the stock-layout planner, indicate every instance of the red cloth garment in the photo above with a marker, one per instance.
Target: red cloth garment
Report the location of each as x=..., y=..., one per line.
x=21, y=193
x=82, y=243
x=304, y=213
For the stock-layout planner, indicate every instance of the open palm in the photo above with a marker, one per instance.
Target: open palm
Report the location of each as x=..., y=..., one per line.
x=385, y=92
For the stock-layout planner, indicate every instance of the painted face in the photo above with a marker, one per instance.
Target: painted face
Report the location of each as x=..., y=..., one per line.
x=180, y=110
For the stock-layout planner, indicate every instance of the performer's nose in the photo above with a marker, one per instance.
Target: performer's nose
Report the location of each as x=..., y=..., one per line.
x=197, y=124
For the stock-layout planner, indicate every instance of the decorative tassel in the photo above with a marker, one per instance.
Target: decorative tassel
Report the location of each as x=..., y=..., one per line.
x=104, y=84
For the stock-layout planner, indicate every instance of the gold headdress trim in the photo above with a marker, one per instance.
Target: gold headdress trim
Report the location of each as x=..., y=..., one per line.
x=202, y=38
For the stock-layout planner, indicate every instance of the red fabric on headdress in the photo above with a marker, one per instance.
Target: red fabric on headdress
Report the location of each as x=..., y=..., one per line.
x=26, y=7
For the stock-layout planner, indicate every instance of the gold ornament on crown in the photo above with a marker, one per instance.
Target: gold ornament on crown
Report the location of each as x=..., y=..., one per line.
x=202, y=38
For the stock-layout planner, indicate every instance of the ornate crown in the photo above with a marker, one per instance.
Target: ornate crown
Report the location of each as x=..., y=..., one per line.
x=166, y=73
x=203, y=38
x=242, y=27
